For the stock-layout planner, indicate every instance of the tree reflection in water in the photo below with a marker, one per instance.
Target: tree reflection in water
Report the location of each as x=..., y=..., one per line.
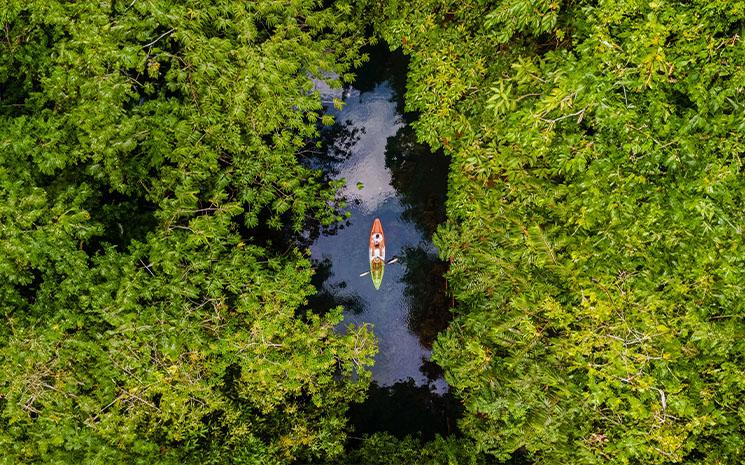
x=333, y=147
x=384, y=66
x=330, y=295
x=326, y=154
x=429, y=305
x=420, y=177
x=405, y=408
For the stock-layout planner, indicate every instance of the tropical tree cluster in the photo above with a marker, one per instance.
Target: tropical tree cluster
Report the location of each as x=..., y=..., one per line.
x=155, y=308
x=595, y=221
x=148, y=156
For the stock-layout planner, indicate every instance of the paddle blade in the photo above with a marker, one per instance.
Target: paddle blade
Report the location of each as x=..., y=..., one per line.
x=393, y=260
x=364, y=274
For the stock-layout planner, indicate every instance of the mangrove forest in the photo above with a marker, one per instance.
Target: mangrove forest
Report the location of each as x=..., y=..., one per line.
x=372, y=232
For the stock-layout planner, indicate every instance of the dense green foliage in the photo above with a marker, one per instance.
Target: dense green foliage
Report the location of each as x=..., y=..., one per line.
x=148, y=149
x=149, y=158
x=595, y=221
x=385, y=449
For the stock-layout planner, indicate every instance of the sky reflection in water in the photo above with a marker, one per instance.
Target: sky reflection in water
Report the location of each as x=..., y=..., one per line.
x=403, y=185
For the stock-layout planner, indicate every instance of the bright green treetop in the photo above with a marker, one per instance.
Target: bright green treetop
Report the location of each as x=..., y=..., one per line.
x=147, y=148
x=595, y=221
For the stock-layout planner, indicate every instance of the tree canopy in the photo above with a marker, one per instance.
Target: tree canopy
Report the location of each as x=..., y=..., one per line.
x=595, y=221
x=148, y=149
x=149, y=162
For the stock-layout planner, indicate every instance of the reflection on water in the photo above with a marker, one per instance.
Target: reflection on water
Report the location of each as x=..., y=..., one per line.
x=420, y=179
x=392, y=177
x=334, y=146
x=405, y=408
x=372, y=118
x=331, y=293
x=428, y=304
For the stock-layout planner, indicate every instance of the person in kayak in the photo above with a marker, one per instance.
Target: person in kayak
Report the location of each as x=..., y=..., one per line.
x=377, y=237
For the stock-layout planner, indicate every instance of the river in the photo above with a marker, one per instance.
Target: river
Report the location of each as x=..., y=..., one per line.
x=392, y=177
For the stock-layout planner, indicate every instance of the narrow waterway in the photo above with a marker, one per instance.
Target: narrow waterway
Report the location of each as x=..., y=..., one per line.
x=392, y=177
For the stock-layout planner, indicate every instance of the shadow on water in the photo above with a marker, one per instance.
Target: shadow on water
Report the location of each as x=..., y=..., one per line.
x=420, y=177
x=406, y=408
x=330, y=294
x=429, y=305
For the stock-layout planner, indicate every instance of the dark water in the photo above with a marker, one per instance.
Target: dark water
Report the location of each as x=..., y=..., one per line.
x=392, y=177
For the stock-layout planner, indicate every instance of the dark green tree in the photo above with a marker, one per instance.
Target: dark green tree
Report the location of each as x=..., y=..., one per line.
x=385, y=449
x=145, y=148
x=595, y=221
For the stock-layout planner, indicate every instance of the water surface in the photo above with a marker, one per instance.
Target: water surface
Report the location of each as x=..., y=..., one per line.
x=392, y=177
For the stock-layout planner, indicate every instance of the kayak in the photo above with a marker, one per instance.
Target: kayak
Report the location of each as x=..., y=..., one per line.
x=377, y=253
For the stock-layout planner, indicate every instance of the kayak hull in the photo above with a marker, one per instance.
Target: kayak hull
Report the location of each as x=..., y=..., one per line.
x=376, y=253
x=377, y=268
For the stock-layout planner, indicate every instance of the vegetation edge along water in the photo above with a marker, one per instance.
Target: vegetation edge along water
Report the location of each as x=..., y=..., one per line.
x=594, y=234
x=595, y=222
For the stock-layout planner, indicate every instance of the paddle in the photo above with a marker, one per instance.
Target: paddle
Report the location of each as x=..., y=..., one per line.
x=389, y=262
